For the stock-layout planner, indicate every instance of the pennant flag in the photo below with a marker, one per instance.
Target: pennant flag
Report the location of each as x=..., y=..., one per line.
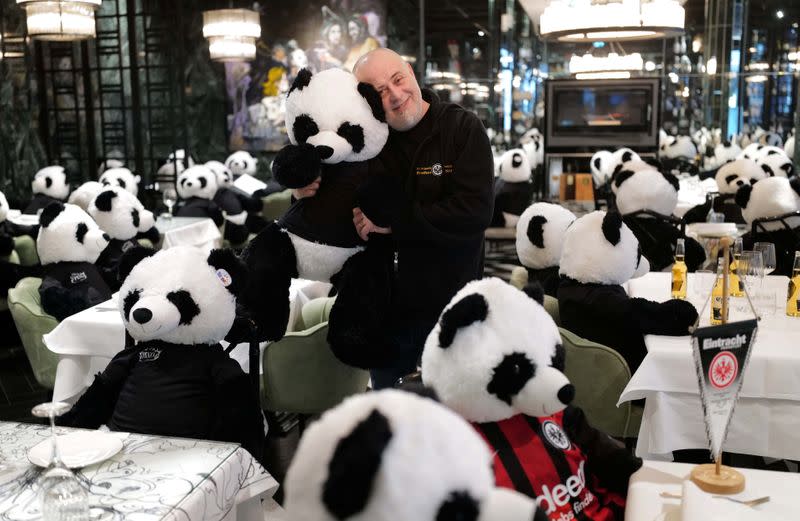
x=721, y=354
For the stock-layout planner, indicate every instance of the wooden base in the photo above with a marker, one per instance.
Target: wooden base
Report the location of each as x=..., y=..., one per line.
x=728, y=481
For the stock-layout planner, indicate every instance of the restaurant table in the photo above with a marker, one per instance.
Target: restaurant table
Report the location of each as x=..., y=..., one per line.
x=645, y=502
x=692, y=192
x=151, y=478
x=188, y=231
x=87, y=341
x=766, y=421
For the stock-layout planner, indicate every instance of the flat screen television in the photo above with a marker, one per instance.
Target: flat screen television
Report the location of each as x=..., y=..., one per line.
x=585, y=115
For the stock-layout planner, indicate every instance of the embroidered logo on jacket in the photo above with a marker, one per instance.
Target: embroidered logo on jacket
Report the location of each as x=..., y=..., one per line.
x=436, y=169
x=78, y=276
x=149, y=354
x=555, y=435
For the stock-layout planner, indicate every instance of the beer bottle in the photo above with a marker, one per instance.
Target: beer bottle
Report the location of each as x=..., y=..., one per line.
x=793, y=299
x=736, y=287
x=717, y=296
x=679, y=272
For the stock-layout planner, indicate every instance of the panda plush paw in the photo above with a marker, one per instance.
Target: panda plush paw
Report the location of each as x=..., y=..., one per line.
x=6, y=245
x=684, y=313
x=297, y=166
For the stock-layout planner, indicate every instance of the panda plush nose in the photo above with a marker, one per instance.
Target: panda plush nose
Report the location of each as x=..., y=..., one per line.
x=565, y=394
x=143, y=316
x=324, y=151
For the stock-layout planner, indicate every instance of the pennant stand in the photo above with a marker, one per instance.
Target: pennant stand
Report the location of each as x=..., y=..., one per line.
x=716, y=478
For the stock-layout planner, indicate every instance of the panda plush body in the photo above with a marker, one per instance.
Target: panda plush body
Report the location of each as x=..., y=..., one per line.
x=196, y=187
x=176, y=380
x=540, y=236
x=69, y=243
x=121, y=177
x=647, y=189
x=773, y=197
x=513, y=189
x=729, y=177
x=335, y=125
x=601, y=253
x=495, y=357
x=49, y=185
x=717, y=156
x=391, y=455
x=241, y=210
x=120, y=214
x=241, y=163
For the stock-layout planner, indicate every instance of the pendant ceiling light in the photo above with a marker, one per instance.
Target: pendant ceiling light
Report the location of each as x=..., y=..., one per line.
x=60, y=20
x=12, y=46
x=231, y=34
x=613, y=66
x=589, y=20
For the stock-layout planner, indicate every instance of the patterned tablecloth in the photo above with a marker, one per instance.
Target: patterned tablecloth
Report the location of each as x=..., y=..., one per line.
x=152, y=478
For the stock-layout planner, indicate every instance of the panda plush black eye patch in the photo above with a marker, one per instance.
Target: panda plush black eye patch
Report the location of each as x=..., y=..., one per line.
x=121, y=183
x=80, y=232
x=48, y=182
x=135, y=217
x=559, y=358
x=730, y=178
x=203, y=182
x=353, y=134
x=510, y=376
x=186, y=305
x=129, y=301
x=767, y=170
x=516, y=160
x=597, y=163
x=459, y=506
x=304, y=127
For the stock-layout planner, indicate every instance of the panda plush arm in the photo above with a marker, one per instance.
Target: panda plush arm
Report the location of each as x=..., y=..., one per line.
x=296, y=166
x=250, y=203
x=61, y=302
x=6, y=245
x=95, y=407
x=673, y=317
x=606, y=458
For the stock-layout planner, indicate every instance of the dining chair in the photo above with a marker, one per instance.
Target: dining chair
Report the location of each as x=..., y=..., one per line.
x=276, y=204
x=13, y=258
x=25, y=246
x=32, y=323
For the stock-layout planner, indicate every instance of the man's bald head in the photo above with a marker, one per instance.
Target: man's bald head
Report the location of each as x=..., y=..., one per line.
x=394, y=80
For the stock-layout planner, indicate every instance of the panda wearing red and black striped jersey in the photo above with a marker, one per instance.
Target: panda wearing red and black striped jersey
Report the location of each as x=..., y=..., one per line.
x=495, y=357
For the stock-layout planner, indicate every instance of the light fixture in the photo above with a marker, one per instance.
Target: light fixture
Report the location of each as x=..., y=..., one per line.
x=60, y=20
x=231, y=34
x=779, y=14
x=711, y=66
x=481, y=33
x=582, y=20
x=756, y=78
x=612, y=62
x=649, y=66
x=609, y=75
x=12, y=46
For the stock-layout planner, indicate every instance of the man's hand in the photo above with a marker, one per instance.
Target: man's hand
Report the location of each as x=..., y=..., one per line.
x=308, y=190
x=364, y=226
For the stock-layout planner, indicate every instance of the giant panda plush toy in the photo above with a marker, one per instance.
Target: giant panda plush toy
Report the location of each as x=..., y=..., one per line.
x=120, y=214
x=11, y=273
x=241, y=163
x=177, y=305
x=49, y=185
x=335, y=125
x=645, y=188
x=391, y=455
x=600, y=254
x=729, y=177
x=196, y=187
x=495, y=357
x=83, y=195
x=679, y=155
x=121, y=177
x=513, y=189
x=540, y=236
x=69, y=244
x=241, y=210
x=775, y=162
x=175, y=163
x=773, y=197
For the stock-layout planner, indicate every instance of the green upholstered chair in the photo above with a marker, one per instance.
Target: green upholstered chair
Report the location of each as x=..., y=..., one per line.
x=599, y=375
x=551, y=306
x=519, y=277
x=13, y=259
x=32, y=323
x=25, y=246
x=301, y=375
x=275, y=205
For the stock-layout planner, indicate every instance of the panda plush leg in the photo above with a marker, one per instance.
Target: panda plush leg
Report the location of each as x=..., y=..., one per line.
x=358, y=322
x=271, y=264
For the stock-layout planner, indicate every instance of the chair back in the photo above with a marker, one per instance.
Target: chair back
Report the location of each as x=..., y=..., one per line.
x=12, y=258
x=551, y=306
x=301, y=374
x=33, y=323
x=275, y=205
x=789, y=221
x=25, y=246
x=650, y=214
x=599, y=375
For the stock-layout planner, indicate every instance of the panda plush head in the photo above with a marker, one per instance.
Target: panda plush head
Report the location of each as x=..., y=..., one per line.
x=222, y=172
x=540, y=234
x=732, y=176
x=181, y=295
x=390, y=455
x=197, y=181
x=531, y=135
x=240, y=163
x=769, y=198
x=52, y=182
x=775, y=163
x=618, y=158
x=789, y=146
x=123, y=178
x=722, y=153
x=751, y=151
x=646, y=189
x=175, y=163
x=600, y=249
x=514, y=166
x=771, y=139
x=599, y=166
x=120, y=214
x=679, y=147
x=84, y=194
x=108, y=164
x=341, y=118
x=496, y=353
x=534, y=151
x=68, y=234
x=3, y=207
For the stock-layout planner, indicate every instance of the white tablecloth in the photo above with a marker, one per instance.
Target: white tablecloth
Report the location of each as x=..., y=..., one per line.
x=692, y=192
x=646, y=504
x=766, y=421
x=17, y=217
x=153, y=478
x=87, y=341
x=189, y=231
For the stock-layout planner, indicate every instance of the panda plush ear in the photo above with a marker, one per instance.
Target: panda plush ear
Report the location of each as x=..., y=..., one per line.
x=470, y=309
x=354, y=465
x=535, y=230
x=103, y=200
x=627, y=156
x=612, y=227
x=131, y=258
x=230, y=270
x=49, y=213
x=743, y=196
x=374, y=100
x=535, y=291
x=301, y=81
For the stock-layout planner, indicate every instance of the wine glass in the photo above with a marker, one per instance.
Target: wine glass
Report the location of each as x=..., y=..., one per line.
x=170, y=197
x=62, y=495
x=767, y=250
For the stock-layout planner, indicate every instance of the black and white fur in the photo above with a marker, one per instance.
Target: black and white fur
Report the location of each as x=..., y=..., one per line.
x=121, y=177
x=83, y=195
x=241, y=162
x=513, y=189
x=735, y=174
x=108, y=164
x=540, y=236
x=240, y=208
x=175, y=163
x=197, y=186
x=49, y=185
x=775, y=162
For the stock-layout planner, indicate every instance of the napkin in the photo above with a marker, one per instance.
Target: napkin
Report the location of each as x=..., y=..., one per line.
x=701, y=506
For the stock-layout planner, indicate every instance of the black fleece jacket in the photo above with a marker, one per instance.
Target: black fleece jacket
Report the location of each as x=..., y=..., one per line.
x=444, y=173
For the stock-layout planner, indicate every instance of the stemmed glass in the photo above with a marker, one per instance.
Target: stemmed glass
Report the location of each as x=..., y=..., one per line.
x=63, y=498
x=170, y=197
x=767, y=250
